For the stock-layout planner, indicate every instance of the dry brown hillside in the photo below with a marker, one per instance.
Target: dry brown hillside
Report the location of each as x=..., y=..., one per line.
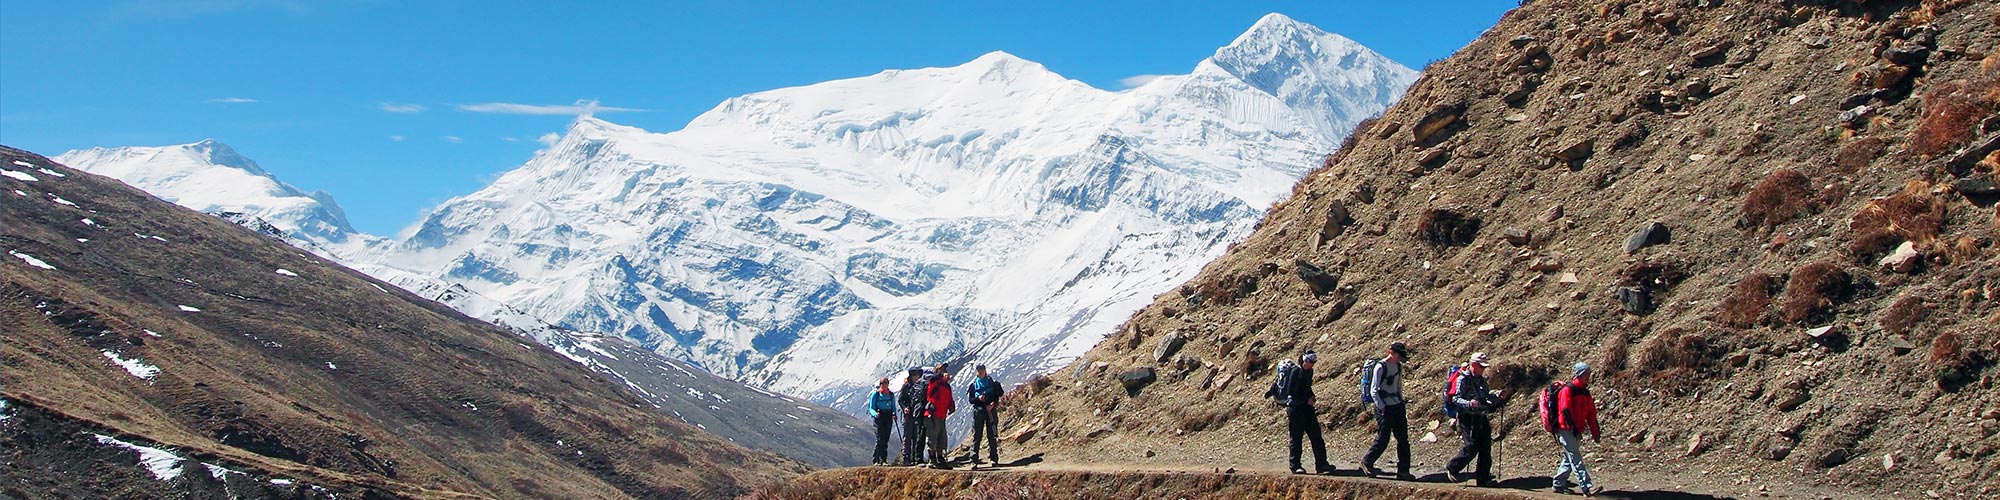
x=1818, y=317
x=258, y=371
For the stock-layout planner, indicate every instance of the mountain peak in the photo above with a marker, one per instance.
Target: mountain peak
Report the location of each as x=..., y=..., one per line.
x=215, y=152
x=1310, y=68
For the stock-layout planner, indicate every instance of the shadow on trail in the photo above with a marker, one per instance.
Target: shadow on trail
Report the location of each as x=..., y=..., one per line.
x=1023, y=461
x=1657, y=495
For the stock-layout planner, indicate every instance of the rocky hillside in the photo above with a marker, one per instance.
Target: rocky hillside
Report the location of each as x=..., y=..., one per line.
x=156, y=352
x=1770, y=224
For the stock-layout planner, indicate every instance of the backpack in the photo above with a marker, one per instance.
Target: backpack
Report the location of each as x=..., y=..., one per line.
x=1367, y=380
x=1451, y=389
x=1551, y=415
x=1281, y=387
x=921, y=401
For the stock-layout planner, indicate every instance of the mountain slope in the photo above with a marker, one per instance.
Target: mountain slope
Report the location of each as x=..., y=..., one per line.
x=235, y=365
x=1817, y=318
x=809, y=239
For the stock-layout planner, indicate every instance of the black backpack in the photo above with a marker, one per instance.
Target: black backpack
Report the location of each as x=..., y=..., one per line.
x=920, y=402
x=1281, y=386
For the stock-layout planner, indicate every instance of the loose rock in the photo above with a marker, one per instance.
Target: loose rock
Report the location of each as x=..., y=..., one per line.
x=1137, y=378
x=1653, y=233
x=1903, y=260
x=1168, y=346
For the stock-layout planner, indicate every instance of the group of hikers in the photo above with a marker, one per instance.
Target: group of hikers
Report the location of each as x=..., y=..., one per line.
x=923, y=404
x=1565, y=409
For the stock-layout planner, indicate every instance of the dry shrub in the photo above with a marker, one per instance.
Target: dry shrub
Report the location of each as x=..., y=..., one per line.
x=1912, y=214
x=1778, y=198
x=1857, y=154
x=1747, y=301
x=1955, y=360
x=1612, y=360
x=1366, y=127
x=1518, y=375
x=1254, y=364
x=1227, y=290
x=1676, y=359
x=1653, y=275
x=1201, y=420
x=1445, y=228
x=1903, y=316
x=1814, y=291
x=1951, y=111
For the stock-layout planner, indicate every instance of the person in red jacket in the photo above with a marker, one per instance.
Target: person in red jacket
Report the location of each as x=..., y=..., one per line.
x=938, y=394
x=1575, y=413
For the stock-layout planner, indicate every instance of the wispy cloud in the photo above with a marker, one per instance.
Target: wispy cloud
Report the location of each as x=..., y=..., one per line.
x=401, y=107
x=233, y=100
x=549, y=138
x=510, y=139
x=453, y=139
x=583, y=107
x=397, y=138
x=1135, y=81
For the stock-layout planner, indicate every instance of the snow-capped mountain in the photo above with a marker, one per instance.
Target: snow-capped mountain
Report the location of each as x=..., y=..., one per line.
x=808, y=240
x=811, y=239
x=210, y=177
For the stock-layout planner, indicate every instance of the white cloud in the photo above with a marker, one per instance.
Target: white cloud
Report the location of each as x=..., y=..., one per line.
x=396, y=138
x=1135, y=81
x=401, y=107
x=549, y=138
x=233, y=100
x=510, y=139
x=453, y=139
x=583, y=107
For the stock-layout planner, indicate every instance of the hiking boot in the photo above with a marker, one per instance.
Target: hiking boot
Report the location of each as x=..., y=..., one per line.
x=1564, y=489
x=1452, y=477
x=1405, y=476
x=996, y=459
x=1591, y=491
x=1298, y=470
x=1370, y=470
x=1488, y=483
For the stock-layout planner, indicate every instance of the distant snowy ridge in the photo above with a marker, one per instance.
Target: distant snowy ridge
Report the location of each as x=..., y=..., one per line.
x=809, y=239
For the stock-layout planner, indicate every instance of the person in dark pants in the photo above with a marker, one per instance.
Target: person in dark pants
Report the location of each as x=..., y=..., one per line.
x=1386, y=385
x=910, y=400
x=1475, y=402
x=938, y=405
x=1301, y=420
x=985, y=396
x=882, y=406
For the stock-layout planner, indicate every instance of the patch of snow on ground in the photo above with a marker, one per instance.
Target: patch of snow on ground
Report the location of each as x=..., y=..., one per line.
x=52, y=172
x=24, y=164
x=190, y=309
x=19, y=176
x=217, y=471
x=60, y=201
x=136, y=366
x=286, y=272
x=331, y=366
x=20, y=192
x=31, y=260
x=83, y=240
x=379, y=287
x=89, y=222
x=150, y=332
x=162, y=463
x=281, y=482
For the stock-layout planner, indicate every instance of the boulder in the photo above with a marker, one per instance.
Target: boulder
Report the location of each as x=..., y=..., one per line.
x=1337, y=220
x=1316, y=278
x=1168, y=346
x=1516, y=236
x=1636, y=300
x=1653, y=233
x=1576, y=150
x=1711, y=50
x=1696, y=444
x=1903, y=260
x=1434, y=123
x=1546, y=263
x=1137, y=378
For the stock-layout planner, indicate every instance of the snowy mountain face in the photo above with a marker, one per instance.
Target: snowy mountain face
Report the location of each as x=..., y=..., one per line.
x=210, y=177
x=809, y=240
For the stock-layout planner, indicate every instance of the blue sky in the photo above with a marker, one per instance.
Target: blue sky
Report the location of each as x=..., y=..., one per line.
x=396, y=106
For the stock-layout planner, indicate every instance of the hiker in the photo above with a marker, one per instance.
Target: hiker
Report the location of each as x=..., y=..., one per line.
x=938, y=405
x=1301, y=420
x=1575, y=412
x=1474, y=402
x=1385, y=386
x=911, y=399
x=882, y=406
x=985, y=395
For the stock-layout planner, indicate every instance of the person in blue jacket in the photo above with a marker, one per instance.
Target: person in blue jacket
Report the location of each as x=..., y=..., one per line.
x=985, y=395
x=882, y=406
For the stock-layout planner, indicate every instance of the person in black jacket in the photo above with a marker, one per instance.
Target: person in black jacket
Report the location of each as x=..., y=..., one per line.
x=908, y=401
x=1475, y=402
x=1301, y=420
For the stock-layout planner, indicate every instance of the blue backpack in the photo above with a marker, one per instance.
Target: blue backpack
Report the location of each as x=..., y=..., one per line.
x=1367, y=380
x=1451, y=389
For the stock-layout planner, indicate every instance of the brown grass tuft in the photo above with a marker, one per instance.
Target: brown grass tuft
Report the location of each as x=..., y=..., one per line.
x=1904, y=315
x=1912, y=214
x=1951, y=111
x=1780, y=197
x=1653, y=275
x=1201, y=420
x=1857, y=154
x=1675, y=359
x=1955, y=359
x=1445, y=228
x=1747, y=301
x=1612, y=360
x=1814, y=291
